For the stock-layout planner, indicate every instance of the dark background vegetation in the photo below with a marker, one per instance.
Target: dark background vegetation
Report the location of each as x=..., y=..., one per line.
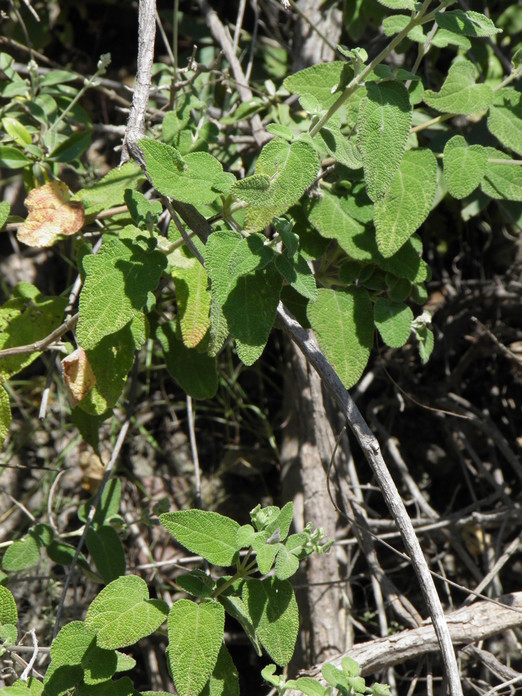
x=449, y=423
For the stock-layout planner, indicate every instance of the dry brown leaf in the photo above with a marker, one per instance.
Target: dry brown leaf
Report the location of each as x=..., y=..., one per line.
x=78, y=375
x=51, y=214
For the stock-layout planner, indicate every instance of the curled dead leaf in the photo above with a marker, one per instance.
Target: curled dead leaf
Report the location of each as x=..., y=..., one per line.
x=51, y=214
x=78, y=376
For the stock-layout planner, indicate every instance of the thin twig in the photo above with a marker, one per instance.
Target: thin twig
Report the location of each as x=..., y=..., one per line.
x=194, y=451
x=391, y=495
x=42, y=344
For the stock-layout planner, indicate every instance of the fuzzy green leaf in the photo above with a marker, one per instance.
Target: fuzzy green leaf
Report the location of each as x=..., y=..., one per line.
x=8, y=611
x=331, y=217
x=286, y=563
x=25, y=320
x=118, y=280
x=5, y=414
x=21, y=554
x=224, y=680
x=343, y=149
x=249, y=302
x=272, y=606
x=192, y=296
x=502, y=180
x=342, y=322
x=75, y=649
x=32, y=687
x=323, y=82
x=459, y=94
x=12, y=158
x=287, y=169
x=505, y=118
x=383, y=126
x=297, y=273
x=407, y=202
x=237, y=609
x=468, y=23
x=464, y=166
x=195, y=372
x=4, y=212
x=396, y=23
x=188, y=179
x=205, y=533
x=309, y=686
x=195, y=639
x=107, y=552
x=109, y=191
x=398, y=4
x=123, y=613
x=393, y=320
x=111, y=360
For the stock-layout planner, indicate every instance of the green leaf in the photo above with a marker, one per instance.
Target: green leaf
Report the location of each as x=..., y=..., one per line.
x=444, y=38
x=505, y=118
x=398, y=4
x=237, y=609
x=63, y=554
x=323, y=82
x=265, y=553
x=286, y=563
x=118, y=280
x=205, y=533
x=188, y=179
x=249, y=302
x=12, y=158
x=111, y=360
x=469, y=23
x=24, y=321
x=464, y=166
x=17, y=131
x=407, y=202
x=331, y=217
x=5, y=414
x=75, y=647
x=335, y=677
x=21, y=554
x=8, y=611
x=109, y=191
x=309, y=686
x=224, y=680
x=192, y=296
x=342, y=322
x=297, y=273
x=283, y=173
x=195, y=372
x=71, y=148
x=195, y=638
x=383, y=127
x=119, y=687
x=502, y=180
x=123, y=613
x=196, y=583
x=393, y=320
x=396, y=23
x=343, y=149
x=4, y=212
x=107, y=552
x=272, y=606
x=141, y=209
x=32, y=687
x=459, y=94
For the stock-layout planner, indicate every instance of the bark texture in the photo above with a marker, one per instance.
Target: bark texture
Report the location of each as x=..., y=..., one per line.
x=307, y=445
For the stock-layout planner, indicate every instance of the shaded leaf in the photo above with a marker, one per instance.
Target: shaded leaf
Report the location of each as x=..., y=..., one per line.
x=342, y=322
x=383, y=127
x=407, y=202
